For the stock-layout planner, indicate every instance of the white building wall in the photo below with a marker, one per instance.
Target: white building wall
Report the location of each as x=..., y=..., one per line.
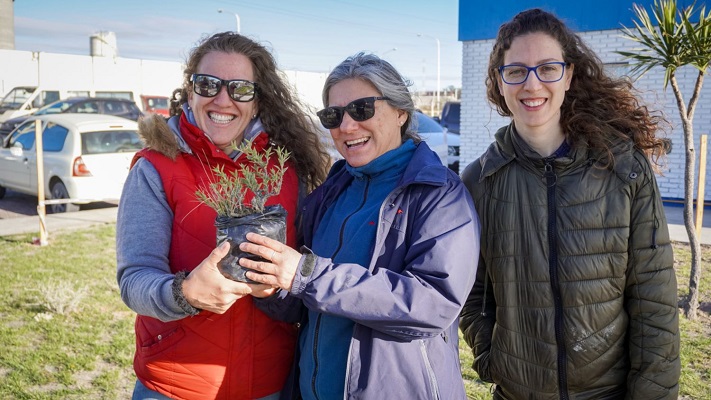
x=480, y=121
x=148, y=77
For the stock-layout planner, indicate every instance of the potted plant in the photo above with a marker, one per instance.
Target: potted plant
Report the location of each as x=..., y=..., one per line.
x=228, y=195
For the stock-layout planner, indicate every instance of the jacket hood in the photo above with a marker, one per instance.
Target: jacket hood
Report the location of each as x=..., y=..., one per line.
x=162, y=136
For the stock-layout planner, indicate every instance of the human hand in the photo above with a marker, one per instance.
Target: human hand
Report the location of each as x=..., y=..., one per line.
x=283, y=261
x=261, y=291
x=207, y=289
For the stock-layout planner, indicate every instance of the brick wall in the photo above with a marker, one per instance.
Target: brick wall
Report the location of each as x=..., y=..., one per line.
x=480, y=121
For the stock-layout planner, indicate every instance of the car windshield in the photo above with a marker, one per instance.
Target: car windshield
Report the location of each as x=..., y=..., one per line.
x=101, y=142
x=16, y=98
x=158, y=102
x=54, y=108
x=427, y=124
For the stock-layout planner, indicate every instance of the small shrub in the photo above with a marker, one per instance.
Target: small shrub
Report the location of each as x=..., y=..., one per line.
x=60, y=297
x=226, y=194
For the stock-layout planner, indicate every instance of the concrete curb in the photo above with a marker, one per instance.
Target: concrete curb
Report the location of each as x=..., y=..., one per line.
x=56, y=222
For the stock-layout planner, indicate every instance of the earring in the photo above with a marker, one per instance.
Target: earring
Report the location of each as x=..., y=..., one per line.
x=254, y=116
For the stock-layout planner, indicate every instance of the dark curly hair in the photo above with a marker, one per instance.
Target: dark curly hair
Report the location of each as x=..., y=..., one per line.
x=175, y=97
x=280, y=111
x=597, y=108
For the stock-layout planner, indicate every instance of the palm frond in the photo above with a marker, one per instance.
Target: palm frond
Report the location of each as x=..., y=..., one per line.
x=668, y=39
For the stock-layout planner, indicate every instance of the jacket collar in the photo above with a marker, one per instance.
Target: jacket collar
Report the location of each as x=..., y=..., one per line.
x=508, y=146
x=424, y=168
x=178, y=135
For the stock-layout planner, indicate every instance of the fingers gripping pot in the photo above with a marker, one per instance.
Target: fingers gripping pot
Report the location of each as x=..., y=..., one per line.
x=271, y=223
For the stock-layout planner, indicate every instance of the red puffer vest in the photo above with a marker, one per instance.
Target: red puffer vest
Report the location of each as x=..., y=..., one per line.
x=241, y=354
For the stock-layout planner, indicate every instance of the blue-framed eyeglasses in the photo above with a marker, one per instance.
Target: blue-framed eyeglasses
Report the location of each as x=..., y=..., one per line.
x=516, y=74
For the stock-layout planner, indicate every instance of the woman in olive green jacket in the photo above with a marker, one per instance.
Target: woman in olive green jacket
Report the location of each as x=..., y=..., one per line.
x=575, y=296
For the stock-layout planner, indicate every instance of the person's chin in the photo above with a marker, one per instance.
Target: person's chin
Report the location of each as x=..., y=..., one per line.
x=358, y=157
x=358, y=161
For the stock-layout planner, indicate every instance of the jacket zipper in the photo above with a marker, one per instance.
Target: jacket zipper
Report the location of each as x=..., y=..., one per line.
x=430, y=372
x=318, y=319
x=551, y=181
x=315, y=354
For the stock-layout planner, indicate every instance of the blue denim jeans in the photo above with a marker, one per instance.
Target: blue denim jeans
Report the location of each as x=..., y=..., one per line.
x=141, y=392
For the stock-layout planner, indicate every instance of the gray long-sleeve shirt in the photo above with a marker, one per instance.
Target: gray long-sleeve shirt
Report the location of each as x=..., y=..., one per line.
x=143, y=236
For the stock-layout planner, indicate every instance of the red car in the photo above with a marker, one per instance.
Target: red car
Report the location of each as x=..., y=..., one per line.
x=156, y=105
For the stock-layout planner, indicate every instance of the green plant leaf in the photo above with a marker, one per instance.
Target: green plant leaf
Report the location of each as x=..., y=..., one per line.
x=227, y=194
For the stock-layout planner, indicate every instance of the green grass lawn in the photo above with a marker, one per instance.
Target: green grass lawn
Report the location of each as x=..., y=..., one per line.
x=64, y=332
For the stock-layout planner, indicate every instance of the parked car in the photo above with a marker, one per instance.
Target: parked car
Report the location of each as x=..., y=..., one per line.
x=156, y=105
x=449, y=117
x=433, y=134
x=86, y=158
x=453, y=151
x=91, y=105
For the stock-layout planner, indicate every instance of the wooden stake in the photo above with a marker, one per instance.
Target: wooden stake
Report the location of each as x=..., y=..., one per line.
x=40, y=183
x=701, y=188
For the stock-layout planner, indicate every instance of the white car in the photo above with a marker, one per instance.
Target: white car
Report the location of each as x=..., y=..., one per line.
x=433, y=134
x=86, y=158
x=453, y=150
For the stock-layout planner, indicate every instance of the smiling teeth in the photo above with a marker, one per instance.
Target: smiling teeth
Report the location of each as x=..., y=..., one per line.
x=533, y=103
x=221, y=118
x=357, y=141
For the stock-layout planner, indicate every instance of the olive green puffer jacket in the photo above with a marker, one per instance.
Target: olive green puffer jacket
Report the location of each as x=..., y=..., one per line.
x=575, y=296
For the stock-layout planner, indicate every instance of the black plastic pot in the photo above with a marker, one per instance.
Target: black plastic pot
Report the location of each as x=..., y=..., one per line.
x=272, y=224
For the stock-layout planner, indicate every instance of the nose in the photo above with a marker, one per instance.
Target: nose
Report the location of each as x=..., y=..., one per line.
x=532, y=82
x=348, y=124
x=222, y=97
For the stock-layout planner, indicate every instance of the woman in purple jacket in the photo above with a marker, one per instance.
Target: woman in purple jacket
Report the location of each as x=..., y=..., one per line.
x=391, y=249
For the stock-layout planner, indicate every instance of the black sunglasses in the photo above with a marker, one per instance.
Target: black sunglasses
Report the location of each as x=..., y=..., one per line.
x=209, y=86
x=360, y=110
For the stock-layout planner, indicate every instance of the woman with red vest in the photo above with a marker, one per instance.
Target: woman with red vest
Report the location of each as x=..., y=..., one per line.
x=199, y=334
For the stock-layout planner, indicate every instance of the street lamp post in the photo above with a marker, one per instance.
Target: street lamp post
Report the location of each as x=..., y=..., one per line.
x=236, y=16
x=438, y=74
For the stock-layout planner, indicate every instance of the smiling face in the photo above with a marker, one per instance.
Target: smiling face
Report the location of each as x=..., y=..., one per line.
x=362, y=142
x=222, y=119
x=535, y=105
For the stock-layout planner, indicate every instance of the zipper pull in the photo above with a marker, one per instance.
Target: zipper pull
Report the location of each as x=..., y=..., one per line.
x=549, y=173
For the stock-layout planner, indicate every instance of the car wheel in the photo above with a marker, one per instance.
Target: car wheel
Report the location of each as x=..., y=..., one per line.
x=59, y=191
x=2, y=191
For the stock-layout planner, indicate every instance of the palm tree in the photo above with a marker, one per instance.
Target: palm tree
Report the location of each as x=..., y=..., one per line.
x=672, y=41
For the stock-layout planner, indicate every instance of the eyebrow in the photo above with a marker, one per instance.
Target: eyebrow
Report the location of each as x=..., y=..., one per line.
x=539, y=62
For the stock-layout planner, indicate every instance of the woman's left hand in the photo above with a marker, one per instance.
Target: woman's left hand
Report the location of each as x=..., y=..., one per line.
x=281, y=265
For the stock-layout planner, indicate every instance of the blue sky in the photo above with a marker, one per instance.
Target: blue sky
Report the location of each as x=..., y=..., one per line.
x=306, y=35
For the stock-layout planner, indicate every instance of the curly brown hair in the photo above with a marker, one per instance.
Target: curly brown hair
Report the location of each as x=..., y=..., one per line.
x=280, y=111
x=597, y=108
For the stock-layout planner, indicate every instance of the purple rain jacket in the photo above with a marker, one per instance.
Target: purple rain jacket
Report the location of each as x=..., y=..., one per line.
x=406, y=303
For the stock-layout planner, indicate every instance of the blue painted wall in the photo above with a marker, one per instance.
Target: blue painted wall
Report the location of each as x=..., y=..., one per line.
x=480, y=19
